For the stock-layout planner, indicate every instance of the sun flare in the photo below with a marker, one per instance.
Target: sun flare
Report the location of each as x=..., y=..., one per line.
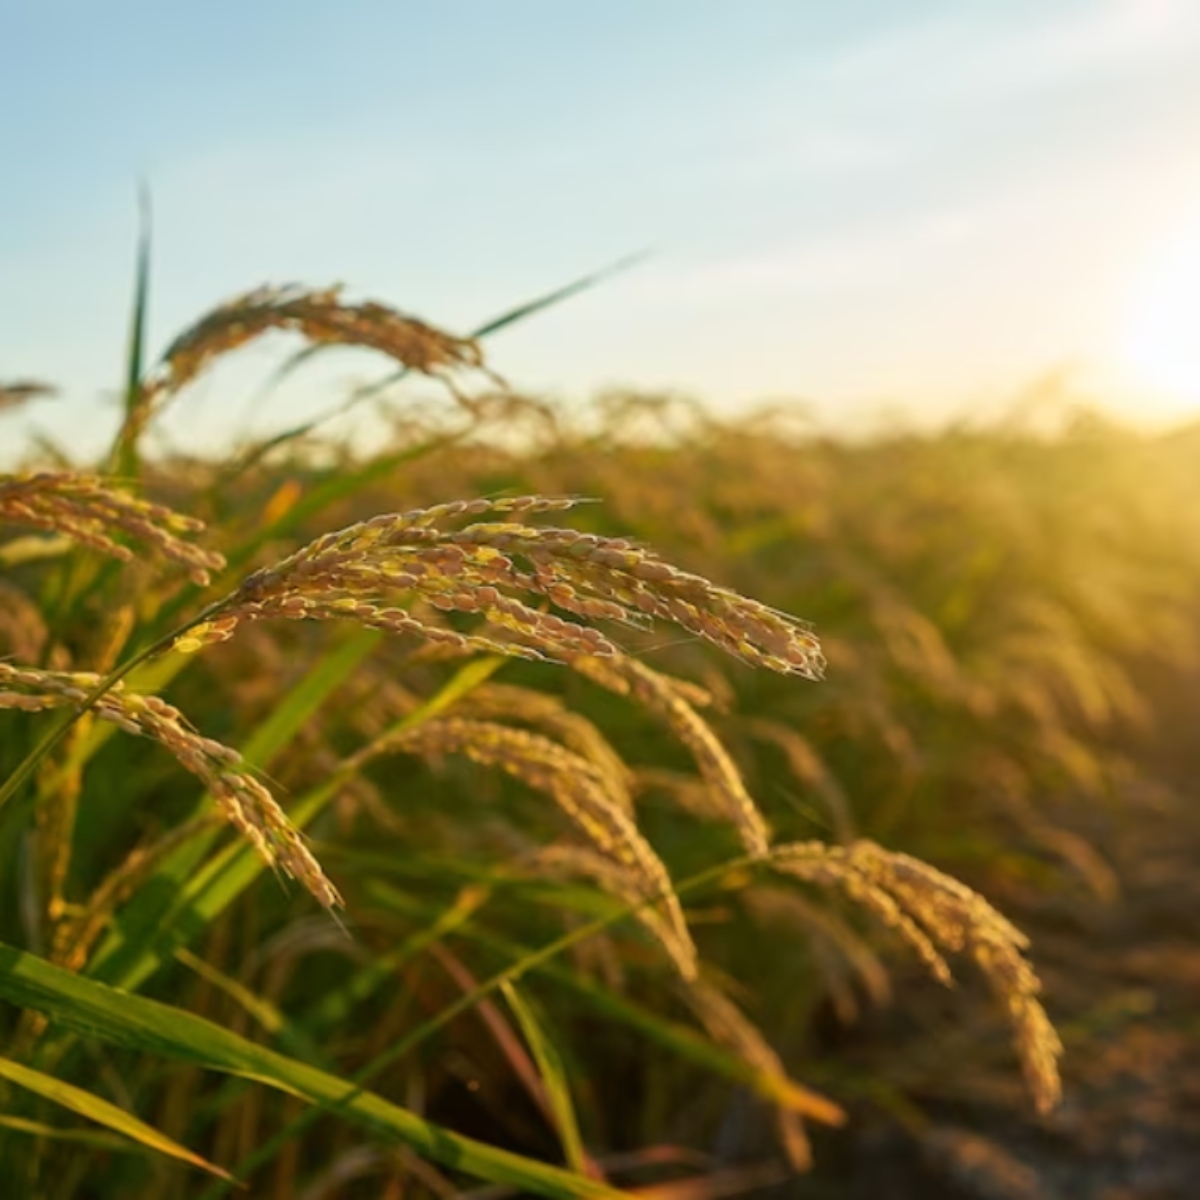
x=1161, y=347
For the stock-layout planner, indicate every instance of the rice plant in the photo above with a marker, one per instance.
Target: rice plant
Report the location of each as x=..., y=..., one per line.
x=557, y=803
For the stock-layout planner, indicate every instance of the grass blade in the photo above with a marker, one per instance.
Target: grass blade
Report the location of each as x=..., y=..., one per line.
x=94, y=1107
x=678, y=1038
x=509, y=317
x=530, y=961
x=124, y=461
x=116, y=1017
x=554, y=1076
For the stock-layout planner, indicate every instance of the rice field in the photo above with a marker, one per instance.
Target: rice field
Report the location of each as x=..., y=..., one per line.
x=568, y=801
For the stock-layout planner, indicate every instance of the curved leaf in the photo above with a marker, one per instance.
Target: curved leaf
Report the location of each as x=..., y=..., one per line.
x=121, y=1018
x=102, y=1111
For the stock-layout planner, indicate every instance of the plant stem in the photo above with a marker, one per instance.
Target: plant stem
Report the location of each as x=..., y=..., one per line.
x=59, y=729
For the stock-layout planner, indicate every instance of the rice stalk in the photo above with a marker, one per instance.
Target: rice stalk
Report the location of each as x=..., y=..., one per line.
x=244, y=801
x=60, y=787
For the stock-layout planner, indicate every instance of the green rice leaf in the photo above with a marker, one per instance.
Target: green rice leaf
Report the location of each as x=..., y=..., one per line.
x=85, y=1103
x=554, y=1075
x=119, y=1018
x=125, y=453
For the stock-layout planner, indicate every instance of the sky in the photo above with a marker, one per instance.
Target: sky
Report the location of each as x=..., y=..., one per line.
x=874, y=207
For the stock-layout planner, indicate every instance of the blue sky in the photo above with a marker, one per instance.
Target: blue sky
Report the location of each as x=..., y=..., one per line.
x=875, y=205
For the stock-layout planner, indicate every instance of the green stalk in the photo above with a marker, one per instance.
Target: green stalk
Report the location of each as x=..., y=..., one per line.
x=62, y=725
x=124, y=459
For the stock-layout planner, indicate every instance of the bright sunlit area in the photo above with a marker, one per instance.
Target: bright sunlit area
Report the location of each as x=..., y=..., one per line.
x=1161, y=338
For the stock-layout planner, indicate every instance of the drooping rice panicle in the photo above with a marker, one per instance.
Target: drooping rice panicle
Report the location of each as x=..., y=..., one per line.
x=321, y=317
x=962, y=920
x=245, y=801
x=16, y=392
x=828, y=867
x=355, y=571
x=617, y=880
x=92, y=511
x=549, y=715
x=318, y=315
x=933, y=912
x=23, y=629
x=658, y=693
x=576, y=786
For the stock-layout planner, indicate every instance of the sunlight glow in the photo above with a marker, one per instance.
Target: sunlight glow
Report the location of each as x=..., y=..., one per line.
x=1162, y=340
